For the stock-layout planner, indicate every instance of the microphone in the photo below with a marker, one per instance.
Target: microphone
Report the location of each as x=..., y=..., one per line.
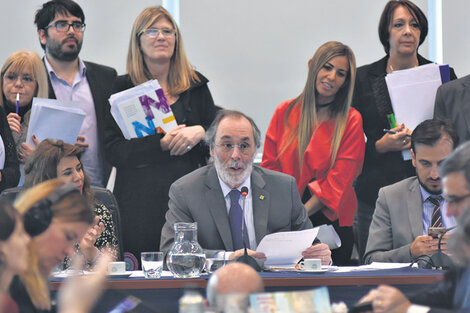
x=440, y=260
x=245, y=258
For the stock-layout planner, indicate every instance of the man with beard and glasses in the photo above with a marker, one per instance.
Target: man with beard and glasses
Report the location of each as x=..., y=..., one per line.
x=210, y=195
x=61, y=25
x=405, y=210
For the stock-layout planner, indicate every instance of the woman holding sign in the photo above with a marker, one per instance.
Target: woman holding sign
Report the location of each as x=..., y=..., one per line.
x=147, y=166
x=402, y=29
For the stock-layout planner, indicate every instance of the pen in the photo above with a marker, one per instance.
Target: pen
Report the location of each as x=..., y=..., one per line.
x=17, y=101
x=388, y=131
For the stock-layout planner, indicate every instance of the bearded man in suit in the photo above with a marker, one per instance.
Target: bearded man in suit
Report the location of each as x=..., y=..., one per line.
x=210, y=195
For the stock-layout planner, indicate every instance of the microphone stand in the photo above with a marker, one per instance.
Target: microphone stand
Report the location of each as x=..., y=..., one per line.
x=245, y=258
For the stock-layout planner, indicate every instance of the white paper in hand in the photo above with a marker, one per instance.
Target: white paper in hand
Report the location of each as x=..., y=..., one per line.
x=286, y=248
x=55, y=119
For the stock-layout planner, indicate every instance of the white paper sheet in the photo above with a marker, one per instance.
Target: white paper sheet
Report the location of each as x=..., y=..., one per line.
x=286, y=247
x=55, y=119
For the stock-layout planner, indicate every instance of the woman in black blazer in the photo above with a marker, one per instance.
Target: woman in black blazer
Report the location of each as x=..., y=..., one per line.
x=402, y=29
x=147, y=166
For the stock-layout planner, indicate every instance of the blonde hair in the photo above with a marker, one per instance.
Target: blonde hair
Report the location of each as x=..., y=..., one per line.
x=181, y=72
x=24, y=59
x=71, y=208
x=308, y=121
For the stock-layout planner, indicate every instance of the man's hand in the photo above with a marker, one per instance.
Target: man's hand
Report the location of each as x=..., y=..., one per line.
x=318, y=251
x=423, y=245
x=254, y=254
x=387, y=299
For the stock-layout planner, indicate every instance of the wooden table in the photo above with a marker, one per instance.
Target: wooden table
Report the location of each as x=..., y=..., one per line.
x=347, y=287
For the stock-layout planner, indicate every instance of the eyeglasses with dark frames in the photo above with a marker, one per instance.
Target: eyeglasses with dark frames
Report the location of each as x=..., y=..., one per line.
x=64, y=26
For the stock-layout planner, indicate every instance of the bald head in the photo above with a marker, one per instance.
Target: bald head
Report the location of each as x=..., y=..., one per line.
x=233, y=278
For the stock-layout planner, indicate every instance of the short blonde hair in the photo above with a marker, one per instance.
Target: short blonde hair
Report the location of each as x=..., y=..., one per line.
x=24, y=59
x=181, y=72
x=72, y=207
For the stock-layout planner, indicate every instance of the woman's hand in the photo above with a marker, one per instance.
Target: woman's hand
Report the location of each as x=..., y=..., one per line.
x=87, y=244
x=186, y=139
x=394, y=142
x=25, y=149
x=313, y=205
x=14, y=120
x=81, y=292
x=81, y=142
x=166, y=140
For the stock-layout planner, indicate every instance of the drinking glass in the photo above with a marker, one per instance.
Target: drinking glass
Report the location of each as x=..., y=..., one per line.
x=152, y=264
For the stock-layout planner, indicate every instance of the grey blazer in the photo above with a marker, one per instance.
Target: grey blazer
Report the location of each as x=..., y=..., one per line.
x=197, y=197
x=397, y=221
x=453, y=104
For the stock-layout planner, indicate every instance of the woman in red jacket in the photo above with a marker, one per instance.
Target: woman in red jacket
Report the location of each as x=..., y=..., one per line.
x=318, y=138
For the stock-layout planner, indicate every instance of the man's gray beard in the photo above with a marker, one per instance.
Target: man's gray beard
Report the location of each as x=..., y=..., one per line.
x=228, y=179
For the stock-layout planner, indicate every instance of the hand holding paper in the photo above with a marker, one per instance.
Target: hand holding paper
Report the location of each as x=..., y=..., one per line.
x=285, y=248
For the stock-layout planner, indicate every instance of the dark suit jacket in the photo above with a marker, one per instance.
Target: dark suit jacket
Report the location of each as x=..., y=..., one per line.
x=440, y=296
x=197, y=197
x=101, y=80
x=372, y=100
x=453, y=104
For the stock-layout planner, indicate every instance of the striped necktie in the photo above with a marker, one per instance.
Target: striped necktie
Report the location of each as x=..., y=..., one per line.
x=436, y=220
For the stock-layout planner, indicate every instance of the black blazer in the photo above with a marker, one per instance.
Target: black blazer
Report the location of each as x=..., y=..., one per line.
x=101, y=80
x=11, y=171
x=440, y=296
x=372, y=100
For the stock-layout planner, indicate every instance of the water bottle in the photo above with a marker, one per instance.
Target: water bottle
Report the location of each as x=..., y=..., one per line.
x=192, y=300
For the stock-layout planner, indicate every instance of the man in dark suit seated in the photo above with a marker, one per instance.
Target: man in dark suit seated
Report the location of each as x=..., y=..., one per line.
x=453, y=293
x=211, y=197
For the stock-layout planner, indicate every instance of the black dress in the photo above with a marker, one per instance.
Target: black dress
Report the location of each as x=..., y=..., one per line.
x=145, y=172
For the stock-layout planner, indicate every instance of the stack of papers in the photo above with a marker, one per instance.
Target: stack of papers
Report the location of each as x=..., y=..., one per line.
x=413, y=93
x=142, y=110
x=55, y=119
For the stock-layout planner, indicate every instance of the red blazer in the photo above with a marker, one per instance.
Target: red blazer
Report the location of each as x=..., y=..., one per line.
x=333, y=188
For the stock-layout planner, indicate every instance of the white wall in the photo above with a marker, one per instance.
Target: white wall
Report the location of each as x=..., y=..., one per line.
x=254, y=52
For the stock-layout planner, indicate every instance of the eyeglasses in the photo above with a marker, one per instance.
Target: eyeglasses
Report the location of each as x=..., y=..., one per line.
x=456, y=199
x=64, y=26
x=228, y=147
x=154, y=32
x=13, y=78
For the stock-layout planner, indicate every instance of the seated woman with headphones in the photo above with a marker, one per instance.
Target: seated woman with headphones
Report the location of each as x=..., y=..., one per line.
x=56, y=216
x=52, y=159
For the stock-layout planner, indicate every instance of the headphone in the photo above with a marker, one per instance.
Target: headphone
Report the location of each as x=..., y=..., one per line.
x=38, y=218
